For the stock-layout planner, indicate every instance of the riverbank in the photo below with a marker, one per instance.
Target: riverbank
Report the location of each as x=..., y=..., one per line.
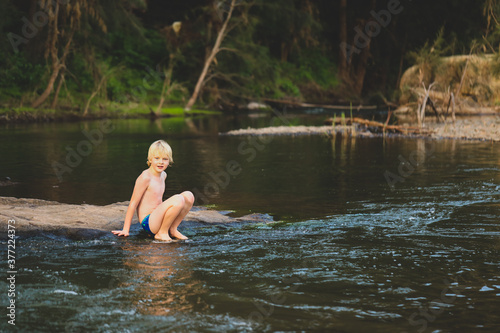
x=480, y=127
x=35, y=217
x=485, y=128
x=30, y=115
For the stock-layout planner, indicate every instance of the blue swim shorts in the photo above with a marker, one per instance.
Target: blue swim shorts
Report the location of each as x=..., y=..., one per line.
x=145, y=226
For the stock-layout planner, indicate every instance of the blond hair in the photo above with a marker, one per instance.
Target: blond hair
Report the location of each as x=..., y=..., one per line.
x=160, y=148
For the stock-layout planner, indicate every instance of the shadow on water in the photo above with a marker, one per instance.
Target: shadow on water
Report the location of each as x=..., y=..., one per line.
x=380, y=235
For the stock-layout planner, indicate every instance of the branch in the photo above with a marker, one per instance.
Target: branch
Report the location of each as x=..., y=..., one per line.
x=229, y=49
x=225, y=77
x=421, y=112
x=103, y=79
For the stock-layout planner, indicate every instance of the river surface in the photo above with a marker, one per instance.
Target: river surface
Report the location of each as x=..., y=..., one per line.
x=369, y=234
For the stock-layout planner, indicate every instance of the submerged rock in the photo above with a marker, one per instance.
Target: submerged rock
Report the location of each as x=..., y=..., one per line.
x=39, y=217
x=7, y=182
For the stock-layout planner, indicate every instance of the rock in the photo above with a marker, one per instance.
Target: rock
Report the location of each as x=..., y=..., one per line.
x=207, y=216
x=282, y=130
x=39, y=217
x=257, y=106
x=486, y=128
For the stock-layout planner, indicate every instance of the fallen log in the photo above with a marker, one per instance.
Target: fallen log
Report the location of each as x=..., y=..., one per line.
x=377, y=125
x=293, y=103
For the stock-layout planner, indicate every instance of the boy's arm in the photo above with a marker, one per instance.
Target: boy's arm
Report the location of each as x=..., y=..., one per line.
x=141, y=184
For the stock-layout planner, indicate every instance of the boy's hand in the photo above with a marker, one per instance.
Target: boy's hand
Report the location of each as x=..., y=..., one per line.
x=120, y=232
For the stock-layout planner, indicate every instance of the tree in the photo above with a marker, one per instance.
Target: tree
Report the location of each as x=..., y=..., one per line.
x=208, y=61
x=172, y=42
x=353, y=58
x=63, y=21
x=343, y=61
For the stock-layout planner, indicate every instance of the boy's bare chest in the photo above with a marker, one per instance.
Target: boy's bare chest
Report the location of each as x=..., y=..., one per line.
x=156, y=187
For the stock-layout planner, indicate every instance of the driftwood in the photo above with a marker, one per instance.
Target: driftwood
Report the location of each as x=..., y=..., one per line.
x=421, y=110
x=451, y=102
x=432, y=105
x=308, y=105
x=453, y=107
x=377, y=125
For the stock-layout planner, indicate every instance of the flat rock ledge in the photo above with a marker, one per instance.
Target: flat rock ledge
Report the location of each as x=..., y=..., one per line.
x=38, y=217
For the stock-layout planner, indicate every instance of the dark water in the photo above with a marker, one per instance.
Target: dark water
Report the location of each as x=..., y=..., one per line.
x=364, y=240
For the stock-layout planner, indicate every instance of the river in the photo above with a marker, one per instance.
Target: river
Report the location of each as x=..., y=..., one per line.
x=383, y=234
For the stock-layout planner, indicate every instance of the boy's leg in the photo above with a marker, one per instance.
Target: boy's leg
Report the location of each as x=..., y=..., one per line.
x=188, y=203
x=164, y=215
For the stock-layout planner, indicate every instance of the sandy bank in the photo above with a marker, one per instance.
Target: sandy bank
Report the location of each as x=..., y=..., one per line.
x=33, y=216
x=485, y=128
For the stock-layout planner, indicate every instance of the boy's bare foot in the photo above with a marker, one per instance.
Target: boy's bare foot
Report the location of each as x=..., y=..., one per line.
x=163, y=237
x=177, y=235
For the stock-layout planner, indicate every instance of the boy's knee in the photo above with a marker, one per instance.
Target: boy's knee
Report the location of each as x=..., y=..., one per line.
x=177, y=200
x=180, y=199
x=188, y=196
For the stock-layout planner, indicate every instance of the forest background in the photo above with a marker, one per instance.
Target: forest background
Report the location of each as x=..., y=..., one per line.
x=88, y=55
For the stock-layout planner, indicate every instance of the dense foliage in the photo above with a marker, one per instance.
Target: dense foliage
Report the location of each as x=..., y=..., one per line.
x=136, y=51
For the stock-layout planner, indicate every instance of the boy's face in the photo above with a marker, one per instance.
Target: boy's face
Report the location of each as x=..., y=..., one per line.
x=159, y=163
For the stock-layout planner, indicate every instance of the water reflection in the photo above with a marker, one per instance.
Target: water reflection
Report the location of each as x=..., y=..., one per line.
x=161, y=279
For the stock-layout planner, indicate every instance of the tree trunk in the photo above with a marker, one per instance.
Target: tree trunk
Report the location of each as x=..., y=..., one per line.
x=359, y=77
x=363, y=60
x=59, y=64
x=94, y=93
x=343, y=65
x=50, y=86
x=56, y=68
x=56, y=94
x=210, y=58
x=166, y=83
x=401, y=62
x=284, y=52
x=352, y=70
x=52, y=49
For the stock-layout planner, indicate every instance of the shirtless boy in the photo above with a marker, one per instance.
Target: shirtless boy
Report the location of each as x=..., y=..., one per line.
x=159, y=219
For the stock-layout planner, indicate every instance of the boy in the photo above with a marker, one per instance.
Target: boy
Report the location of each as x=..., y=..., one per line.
x=159, y=219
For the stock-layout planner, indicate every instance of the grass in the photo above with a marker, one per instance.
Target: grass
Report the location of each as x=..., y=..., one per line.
x=131, y=109
x=179, y=112
x=109, y=110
